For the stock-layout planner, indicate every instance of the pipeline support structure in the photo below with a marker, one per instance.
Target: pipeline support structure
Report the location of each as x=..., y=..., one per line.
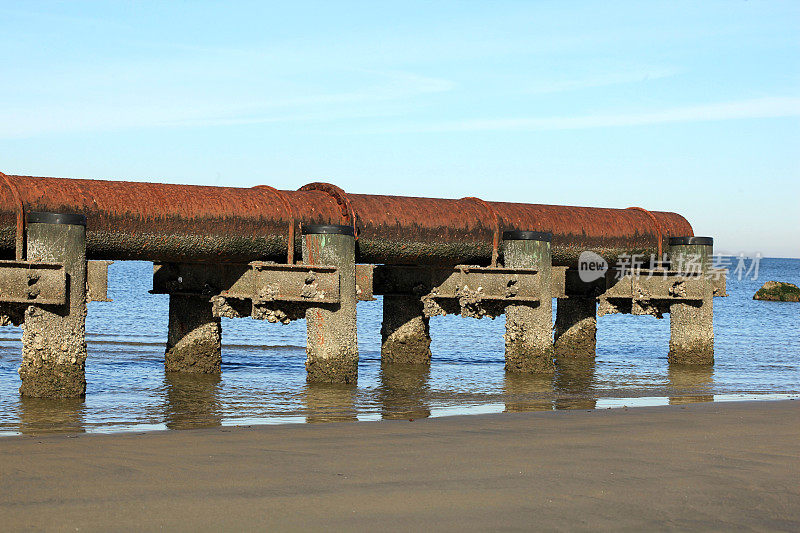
x=54, y=337
x=332, y=340
x=230, y=252
x=529, y=325
x=194, y=336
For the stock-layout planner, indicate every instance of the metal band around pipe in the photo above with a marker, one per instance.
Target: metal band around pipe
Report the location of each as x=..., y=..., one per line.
x=338, y=194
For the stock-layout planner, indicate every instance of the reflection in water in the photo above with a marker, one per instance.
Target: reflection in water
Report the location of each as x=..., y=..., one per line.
x=192, y=400
x=330, y=402
x=40, y=415
x=696, y=379
x=528, y=392
x=403, y=390
x=574, y=378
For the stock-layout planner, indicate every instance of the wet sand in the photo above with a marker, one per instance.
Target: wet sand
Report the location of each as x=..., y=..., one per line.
x=710, y=466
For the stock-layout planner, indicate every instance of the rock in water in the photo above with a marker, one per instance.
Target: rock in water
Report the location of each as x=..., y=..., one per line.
x=778, y=291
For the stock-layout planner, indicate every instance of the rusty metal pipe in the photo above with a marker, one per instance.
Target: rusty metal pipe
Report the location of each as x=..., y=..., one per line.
x=19, y=209
x=191, y=223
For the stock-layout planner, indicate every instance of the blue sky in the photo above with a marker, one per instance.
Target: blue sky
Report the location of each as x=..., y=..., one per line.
x=691, y=107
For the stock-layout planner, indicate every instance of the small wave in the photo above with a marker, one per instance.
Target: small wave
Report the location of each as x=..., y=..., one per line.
x=161, y=343
x=124, y=343
x=287, y=347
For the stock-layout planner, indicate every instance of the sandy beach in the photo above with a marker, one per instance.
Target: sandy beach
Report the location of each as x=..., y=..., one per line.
x=709, y=466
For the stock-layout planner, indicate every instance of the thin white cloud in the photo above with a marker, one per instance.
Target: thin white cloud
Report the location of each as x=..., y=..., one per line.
x=604, y=79
x=166, y=105
x=62, y=18
x=773, y=107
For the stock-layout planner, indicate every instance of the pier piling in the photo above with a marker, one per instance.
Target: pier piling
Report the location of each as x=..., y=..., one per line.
x=576, y=327
x=194, y=337
x=332, y=343
x=529, y=326
x=405, y=333
x=54, y=336
x=692, y=321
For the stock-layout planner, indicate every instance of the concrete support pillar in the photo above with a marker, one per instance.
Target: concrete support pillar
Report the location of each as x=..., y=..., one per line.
x=194, y=337
x=405, y=334
x=576, y=328
x=529, y=327
x=332, y=344
x=692, y=324
x=54, y=337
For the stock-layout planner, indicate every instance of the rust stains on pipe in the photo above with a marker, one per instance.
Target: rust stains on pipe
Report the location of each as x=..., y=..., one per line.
x=281, y=196
x=191, y=223
x=19, y=217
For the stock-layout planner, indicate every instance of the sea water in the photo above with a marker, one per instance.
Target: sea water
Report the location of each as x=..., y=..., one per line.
x=757, y=352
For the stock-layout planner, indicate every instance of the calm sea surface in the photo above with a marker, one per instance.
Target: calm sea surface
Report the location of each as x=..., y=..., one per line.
x=263, y=373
